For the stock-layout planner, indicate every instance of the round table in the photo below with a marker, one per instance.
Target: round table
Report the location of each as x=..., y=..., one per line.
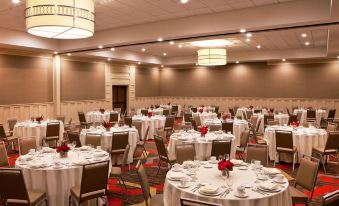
x=57, y=182
x=34, y=129
x=154, y=123
x=303, y=138
x=320, y=113
x=282, y=118
x=172, y=191
x=204, y=116
x=166, y=106
x=242, y=110
x=97, y=116
x=203, y=145
x=106, y=138
x=238, y=127
x=156, y=111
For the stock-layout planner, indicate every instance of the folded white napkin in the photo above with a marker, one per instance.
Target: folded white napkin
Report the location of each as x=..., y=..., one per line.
x=85, y=148
x=176, y=176
x=100, y=154
x=25, y=157
x=79, y=162
x=36, y=165
x=237, y=162
x=269, y=186
x=47, y=150
x=209, y=189
x=271, y=171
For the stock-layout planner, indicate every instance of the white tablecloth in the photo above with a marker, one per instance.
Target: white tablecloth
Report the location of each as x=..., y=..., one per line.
x=320, y=113
x=166, y=106
x=172, y=192
x=106, y=140
x=157, y=111
x=203, y=145
x=154, y=123
x=240, y=112
x=238, y=127
x=57, y=182
x=303, y=138
x=96, y=116
x=204, y=116
x=33, y=129
x=282, y=118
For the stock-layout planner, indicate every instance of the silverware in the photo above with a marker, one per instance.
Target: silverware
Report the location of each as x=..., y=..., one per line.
x=197, y=187
x=260, y=192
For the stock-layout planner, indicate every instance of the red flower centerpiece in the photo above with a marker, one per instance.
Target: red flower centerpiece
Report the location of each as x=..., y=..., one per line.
x=169, y=103
x=39, y=119
x=295, y=124
x=251, y=107
x=271, y=110
x=107, y=125
x=225, y=166
x=226, y=116
x=310, y=108
x=63, y=150
x=102, y=110
x=203, y=130
x=152, y=107
x=201, y=110
x=150, y=114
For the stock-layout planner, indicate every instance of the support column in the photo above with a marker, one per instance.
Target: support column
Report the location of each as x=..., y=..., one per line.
x=56, y=84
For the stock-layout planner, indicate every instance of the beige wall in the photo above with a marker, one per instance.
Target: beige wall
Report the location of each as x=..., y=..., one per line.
x=25, y=79
x=149, y=81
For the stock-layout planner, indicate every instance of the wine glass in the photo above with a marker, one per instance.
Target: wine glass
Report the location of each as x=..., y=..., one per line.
x=229, y=183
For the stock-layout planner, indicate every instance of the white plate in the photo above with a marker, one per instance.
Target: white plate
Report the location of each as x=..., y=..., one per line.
x=266, y=190
x=279, y=181
x=174, y=170
x=243, y=168
x=213, y=162
x=208, y=166
x=183, y=187
x=240, y=195
x=219, y=191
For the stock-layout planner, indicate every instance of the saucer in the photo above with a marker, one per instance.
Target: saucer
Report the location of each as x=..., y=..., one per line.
x=176, y=170
x=213, y=162
x=243, y=168
x=244, y=195
x=183, y=187
x=207, y=166
x=279, y=181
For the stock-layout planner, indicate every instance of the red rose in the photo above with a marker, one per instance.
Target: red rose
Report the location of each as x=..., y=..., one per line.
x=102, y=110
x=203, y=130
x=251, y=106
x=150, y=114
x=226, y=116
x=63, y=148
x=201, y=110
x=225, y=164
x=107, y=125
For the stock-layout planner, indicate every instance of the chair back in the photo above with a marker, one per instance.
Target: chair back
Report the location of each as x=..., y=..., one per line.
x=311, y=114
x=144, y=112
x=61, y=118
x=214, y=127
x=94, y=180
x=231, y=110
x=197, y=120
x=161, y=133
x=114, y=117
x=166, y=112
x=194, y=124
x=273, y=122
x=162, y=151
x=169, y=123
x=187, y=116
x=93, y=139
x=25, y=144
x=138, y=125
x=11, y=123
x=331, y=114
x=254, y=120
x=143, y=181
x=119, y=142
x=53, y=129
x=257, y=111
x=184, y=152
x=292, y=118
x=221, y=147
x=128, y=121
x=3, y=155
x=249, y=114
x=331, y=127
x=244, y=138
x=175, y=108
x=283, y=139
x=194, y=109
x=82, y=118
x=227, y=126
x=299, y=114
x=190, y=202
x=2, y=132
x=125, y=156
x=307, y=173
x=267, y=118
x=74, y=137
x=257, y=152
x=331, y=199
x=332, y=142
x=13, y=185
x=288, y=111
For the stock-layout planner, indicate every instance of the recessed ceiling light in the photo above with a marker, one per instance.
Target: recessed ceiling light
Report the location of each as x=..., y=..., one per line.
x=160, y=39
x=165, y=54
x=180, y=46
x=212, y=43
x=183, y=1
x=237, y=62
x=16, y=1
x=139, y=62
x=109, y=59
x=242, y=30
x=283, y=60
x=143, y=49
x=162, y=66
x=69, y=54
x=248, y=40
x=338, y=57
x=258, y=46
x=55, y=52
x=248, y=34
x=304, y=35
x=307, y=43
x=100, y=47
x=171, y=42
x=112, y=49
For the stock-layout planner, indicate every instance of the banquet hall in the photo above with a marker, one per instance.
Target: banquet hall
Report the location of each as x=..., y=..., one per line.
x=169, y=102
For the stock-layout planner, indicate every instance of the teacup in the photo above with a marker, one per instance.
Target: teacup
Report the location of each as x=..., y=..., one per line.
x=213, y=158
x=176, y=166
x=183, y=182
x=241, y=189
x=279, y=177
x=98, y=147
x=257, y=163
x=31, y=151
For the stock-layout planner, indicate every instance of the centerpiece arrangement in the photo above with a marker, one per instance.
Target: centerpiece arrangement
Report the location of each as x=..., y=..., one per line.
x=251, y=107
x=107, y=125
x=203, y=130
x=201, y=110
x=271, y=110
x=226, y=116
x=149, y=114
x=295, y=124
x=63, y=150
x=169, y=103
x=39, y=119
x=102, y=110
x=225, y=166
x=151, y=107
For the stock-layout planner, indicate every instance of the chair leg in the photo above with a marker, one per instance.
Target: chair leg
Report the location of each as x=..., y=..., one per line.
x=294, y=155
x=159, y=164
x=322, y=161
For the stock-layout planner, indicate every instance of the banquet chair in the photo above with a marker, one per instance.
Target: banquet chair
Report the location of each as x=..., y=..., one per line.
x=119, y=142
x=162, y=153
x=310, y=114
x=227, y=127
x=221, y=148
x=288, y=111
x=157, y=200
x=292, y=118
x=194, y=124
x=187, y=117
x=254, y=120
x=117, y=172
x=11, y=124
x=138, y=125
x=7, y=138
x=231, y=110
x=284, y=144
x=144, y=112
x=69, y=126
x=249, y=114
x=166, y=112
x=184, y=152
x=74, y=137
x=13, y=190
x=3, y=155
x=185, y=127
x=197, y=120
x=52, y=133
x=244, y=139
x=161, y=133
x=331, y=199
x=216, y=109
x=254, y=133
x=142, y=141
x=331, y=127
x=169, y=124
x=82, y=120
x=306, y=178
x=93, y=139
x=61, y=118
x=93, y=183
x=331, y=115
x=331, y=147
x=25, y=144
x=214, y=127
x=113, y=117
x=257, y=111
x=267, y=118
x=194, y=109
x=190, y=202
x=257, y=152
x=175, y=110
x=117, y=109
x=128, y=120
x=273, y=122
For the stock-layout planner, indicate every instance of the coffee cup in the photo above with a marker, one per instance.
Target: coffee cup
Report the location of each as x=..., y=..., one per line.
x=241, y=189
x=98, y=147
x=257, y=163
x=31, y=151
x=183, y=182
x=176, y=166
x=279, y=177
x=213, y=158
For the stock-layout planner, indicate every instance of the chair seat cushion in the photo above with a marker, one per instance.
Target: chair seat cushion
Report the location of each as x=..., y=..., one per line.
x=115, y=171
x=320, y=150
x=297, y=195
x=157, y=200
x=34, y=196
x=75, y=192
x=287, y=150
